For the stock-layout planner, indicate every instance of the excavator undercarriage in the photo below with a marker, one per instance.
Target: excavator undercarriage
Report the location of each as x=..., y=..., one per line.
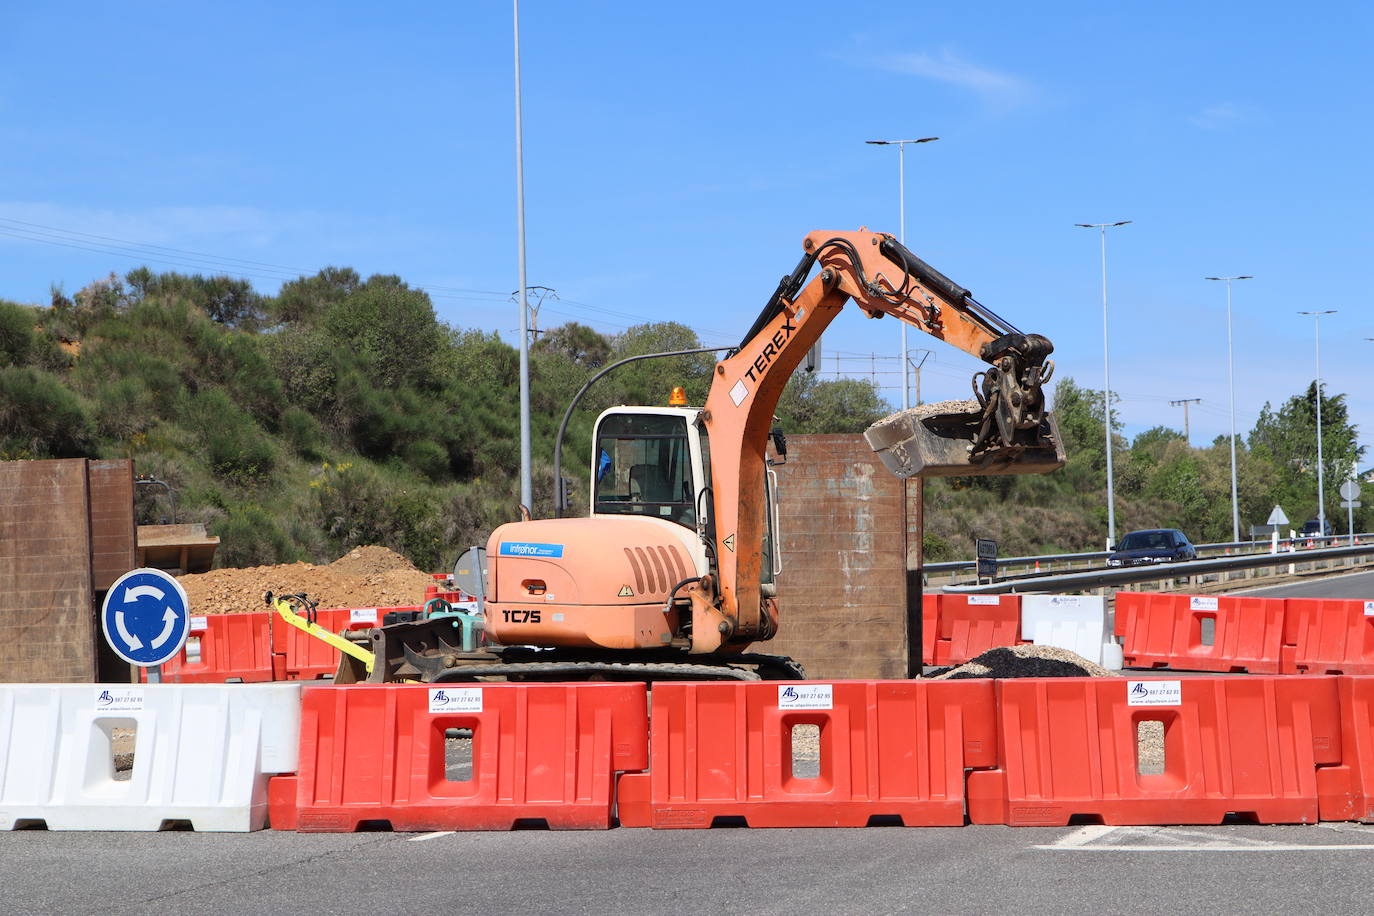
x=430, y=652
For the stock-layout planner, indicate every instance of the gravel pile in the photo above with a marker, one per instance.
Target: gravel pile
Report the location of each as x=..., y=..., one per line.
x=934, y=409
x=364, y=577
x=1023, y=661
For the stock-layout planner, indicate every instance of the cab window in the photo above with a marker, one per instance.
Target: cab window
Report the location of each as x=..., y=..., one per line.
x=644, y=467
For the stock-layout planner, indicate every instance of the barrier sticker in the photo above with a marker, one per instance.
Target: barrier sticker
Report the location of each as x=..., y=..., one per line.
x=1369, y=608
x=806, y=696
x=362, y=615
x=1154, y=693
x=455, y=699
x=1202, y=603
x=119, y=699
x=199, y=624
x=984, y=599
x=1066, y=600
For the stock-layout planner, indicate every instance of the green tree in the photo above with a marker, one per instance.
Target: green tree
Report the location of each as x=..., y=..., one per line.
x=305, y=298
x=1288, y=439
x=578, y=343
x=392, y=328
x=812, y=405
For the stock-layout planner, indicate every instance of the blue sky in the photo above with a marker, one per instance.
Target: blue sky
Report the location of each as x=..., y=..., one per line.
x=676, y=156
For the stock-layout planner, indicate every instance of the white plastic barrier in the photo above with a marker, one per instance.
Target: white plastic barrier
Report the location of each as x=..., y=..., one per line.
x=1074, y=622
x=202, y=754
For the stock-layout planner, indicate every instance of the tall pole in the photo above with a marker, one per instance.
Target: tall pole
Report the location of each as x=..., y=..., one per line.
x=1231, y=384
x=1107, y=379
x=526, y=480
x=901, y=237
x=1321, y=471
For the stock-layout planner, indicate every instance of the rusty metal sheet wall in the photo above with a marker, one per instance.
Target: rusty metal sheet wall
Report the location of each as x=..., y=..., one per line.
x=46, y=619
x=842, y=592
x=114, y=539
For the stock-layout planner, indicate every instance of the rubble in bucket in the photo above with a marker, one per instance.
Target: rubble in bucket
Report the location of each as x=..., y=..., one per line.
x=1022, y=661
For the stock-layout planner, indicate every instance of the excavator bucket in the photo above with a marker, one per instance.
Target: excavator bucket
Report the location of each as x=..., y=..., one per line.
x=952, y=439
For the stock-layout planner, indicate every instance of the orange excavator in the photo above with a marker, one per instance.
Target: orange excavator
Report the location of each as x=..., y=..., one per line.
x=673, y=575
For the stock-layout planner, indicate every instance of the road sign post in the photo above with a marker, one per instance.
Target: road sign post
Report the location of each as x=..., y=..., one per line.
x=1350, y=495
x=1276, y=518
x=986, y=553
x=146, y=619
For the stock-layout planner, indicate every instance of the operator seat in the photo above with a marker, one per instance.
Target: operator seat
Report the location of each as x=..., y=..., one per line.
x=653, y=485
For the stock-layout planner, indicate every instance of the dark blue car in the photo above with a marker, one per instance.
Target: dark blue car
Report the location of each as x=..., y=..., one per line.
x=1156, y=545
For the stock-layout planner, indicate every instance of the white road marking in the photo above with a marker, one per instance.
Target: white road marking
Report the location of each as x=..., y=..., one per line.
x=1195, y=839
x=431, y=836
x=1273, y=847
x=1080, y=836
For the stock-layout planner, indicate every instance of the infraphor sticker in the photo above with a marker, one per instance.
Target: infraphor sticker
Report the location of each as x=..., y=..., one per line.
x=1202, y=603
x=1369, y=608
x=806, y=696
x=199, y=624
x=362, y=615
x=984, y=599
x=119, y=699
x=455, y=699
x=1066, y=600
x=1154, y=693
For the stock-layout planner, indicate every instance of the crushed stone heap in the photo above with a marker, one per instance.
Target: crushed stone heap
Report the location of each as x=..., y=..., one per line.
x=1023, y=661
x=364, y=577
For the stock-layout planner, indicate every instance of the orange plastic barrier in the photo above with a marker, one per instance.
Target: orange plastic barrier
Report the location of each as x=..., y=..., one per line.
x=886, y=750
x=302, y=657
x=1346, y=792
x=1249, y=746
x=545, y=752
x=1326, y=636
x=930, y=628
x=968, y=625
x=222, y=648
x=1200, y=632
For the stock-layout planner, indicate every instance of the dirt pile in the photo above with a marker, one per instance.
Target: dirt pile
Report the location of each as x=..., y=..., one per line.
x=364, y=577
x=1023, y=661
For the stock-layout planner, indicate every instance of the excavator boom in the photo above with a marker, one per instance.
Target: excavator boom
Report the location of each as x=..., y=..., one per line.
x=1004, y=429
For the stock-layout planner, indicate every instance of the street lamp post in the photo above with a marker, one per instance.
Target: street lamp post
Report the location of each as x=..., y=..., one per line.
x=1321, y=471
x=526, y=480
x=1231, y=383
x=1107, y=378
x=901, y=198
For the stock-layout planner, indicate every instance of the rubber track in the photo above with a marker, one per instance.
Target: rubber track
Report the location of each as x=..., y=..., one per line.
x=685, y=672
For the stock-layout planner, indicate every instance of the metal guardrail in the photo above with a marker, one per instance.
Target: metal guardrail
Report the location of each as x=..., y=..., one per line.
x=1050, y=558
x=1101, y=578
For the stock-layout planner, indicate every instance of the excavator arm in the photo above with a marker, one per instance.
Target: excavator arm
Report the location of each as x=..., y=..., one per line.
x=1003, y=430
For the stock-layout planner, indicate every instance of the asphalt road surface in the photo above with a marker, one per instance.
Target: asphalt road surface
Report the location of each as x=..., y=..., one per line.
x=1351, y=585
x=1063, y=871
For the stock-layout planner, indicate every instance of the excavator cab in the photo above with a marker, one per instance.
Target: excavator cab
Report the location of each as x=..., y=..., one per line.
x=655, y=462
x=647, y=461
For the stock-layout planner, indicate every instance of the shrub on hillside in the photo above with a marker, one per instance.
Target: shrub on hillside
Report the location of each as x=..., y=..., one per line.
x=360, y=504
x=16, y=334
x=39, y=417
x=252, y=536
x=303, y=433
x=238, y=450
